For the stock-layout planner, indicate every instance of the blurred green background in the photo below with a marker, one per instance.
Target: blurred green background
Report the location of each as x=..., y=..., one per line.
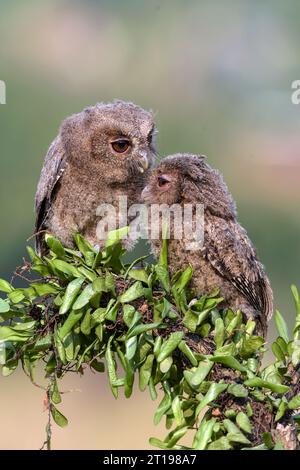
x=218, y=76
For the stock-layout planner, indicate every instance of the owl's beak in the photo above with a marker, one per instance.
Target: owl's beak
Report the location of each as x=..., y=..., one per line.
x=143, y=161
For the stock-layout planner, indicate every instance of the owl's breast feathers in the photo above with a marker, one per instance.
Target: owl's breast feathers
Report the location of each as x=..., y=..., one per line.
x=231, y=253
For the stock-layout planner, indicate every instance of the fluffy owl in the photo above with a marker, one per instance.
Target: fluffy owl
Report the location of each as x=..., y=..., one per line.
x=100, y=154
x=226, y=259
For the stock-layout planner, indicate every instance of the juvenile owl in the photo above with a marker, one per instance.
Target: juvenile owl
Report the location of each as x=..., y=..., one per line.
x=226, y=259
x=100, y=154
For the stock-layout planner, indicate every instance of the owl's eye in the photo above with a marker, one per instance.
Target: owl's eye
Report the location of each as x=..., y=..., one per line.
x=121, y=145
x=163, y=181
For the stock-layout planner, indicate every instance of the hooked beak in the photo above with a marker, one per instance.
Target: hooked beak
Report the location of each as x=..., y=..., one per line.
x=143, y=161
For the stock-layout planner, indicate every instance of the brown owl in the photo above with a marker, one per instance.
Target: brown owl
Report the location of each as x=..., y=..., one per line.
x=100, y=154
x=226, y=259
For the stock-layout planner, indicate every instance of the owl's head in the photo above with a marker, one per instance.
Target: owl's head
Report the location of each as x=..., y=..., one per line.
x=188, y=179
x=115, y=139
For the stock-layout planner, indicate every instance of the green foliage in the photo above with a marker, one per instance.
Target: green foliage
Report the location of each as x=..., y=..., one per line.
x=91, y=310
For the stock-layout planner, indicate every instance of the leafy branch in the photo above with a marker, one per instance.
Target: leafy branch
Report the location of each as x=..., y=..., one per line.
x=88, y=309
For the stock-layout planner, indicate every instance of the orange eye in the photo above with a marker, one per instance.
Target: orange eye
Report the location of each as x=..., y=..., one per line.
x=121, y=145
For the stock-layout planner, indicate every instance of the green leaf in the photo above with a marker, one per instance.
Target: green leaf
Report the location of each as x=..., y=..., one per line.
x=281, y=410
x=97, y=260
x=157, y=346
x=158, y=443
x=190, y=320
x=55, y=395
x=268, y=440
x=163, y=276
x=134, y=263
x=115, y=236
x=58, y=417
x=296, y=299
x=166, y=364
x=243, y=422
x=235, y=323
x=9, y=368
x=237, y=437
x=234, y=433
x=98, y=366
x=184, y=348
x=55, y=245
x=163, y=407
x=258, y=382
x=237, y=390
x=175, y=436
x=5, y=286
x=112, y=310
x=220, y=444
x=87, y=273
x=200, y=373
x=184, y=279
x=65, y=268
x=170, y=345
x=277, y=351
x=131, y=345
x=83, y=245
x=129, y=379
x=73, y=318
x=16, y=296
x=4, y=306
x=295, y=354
x=71, y=293
x=251, y=345
x=219, y=332
x=204, y=434
x=152, y=390
x=213, y=392
x=163, y=257
x=145, y=372
x=9, y=334
x=229, y=361
x=111, y=368
x=129, y=313
x=86, y=324
x=84, y=298
x=60, y=348
x=177, y=411
x=139, y=275
x=134, y=292
x=249, y=410
x=281, y=326
x=294, y=403
x=139, y=329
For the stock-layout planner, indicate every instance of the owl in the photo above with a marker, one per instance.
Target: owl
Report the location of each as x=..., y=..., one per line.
x=226, y=258
x=100, y=155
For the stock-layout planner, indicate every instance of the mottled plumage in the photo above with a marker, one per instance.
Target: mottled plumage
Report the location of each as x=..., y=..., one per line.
x=100, y=154
x=227, y=259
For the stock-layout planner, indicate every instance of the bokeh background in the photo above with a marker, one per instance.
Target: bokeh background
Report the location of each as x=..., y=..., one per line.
x=218, y=75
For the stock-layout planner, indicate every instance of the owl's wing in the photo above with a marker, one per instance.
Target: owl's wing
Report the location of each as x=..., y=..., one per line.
x=51, y=173
x=230, y=251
